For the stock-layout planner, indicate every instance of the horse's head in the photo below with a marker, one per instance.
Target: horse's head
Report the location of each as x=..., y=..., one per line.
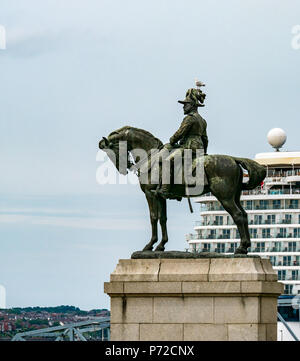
x=128, y=139
x=116, y=149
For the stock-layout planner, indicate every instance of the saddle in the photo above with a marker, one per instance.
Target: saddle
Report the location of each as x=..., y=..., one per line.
x=151, y=169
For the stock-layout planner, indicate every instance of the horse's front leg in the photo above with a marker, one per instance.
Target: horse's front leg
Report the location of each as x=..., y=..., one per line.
x=162, y=215
x=153, y=209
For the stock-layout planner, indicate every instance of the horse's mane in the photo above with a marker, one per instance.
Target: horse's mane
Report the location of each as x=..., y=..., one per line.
x=127, y=127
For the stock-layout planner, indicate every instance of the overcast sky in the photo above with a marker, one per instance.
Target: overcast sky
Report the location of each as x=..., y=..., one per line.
x=75, y=70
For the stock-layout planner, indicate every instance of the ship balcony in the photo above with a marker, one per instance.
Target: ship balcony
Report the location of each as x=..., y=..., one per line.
x=272, y=233
x=293, y=190
x=254, y=238
x=262, y=246
x=273, y=250
x=286, y=179
x=293, y=178
x=278, y=221
x=286, y=264
x=277, y=259
x=209, y=208
x=280, y=181
x=291, y=278
x=272, y=192
x=252, y=223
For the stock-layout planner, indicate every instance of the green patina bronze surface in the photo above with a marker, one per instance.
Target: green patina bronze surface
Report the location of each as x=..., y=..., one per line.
x=223, y=173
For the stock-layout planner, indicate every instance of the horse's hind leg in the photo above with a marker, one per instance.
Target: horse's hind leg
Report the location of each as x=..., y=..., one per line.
x=231, y=204
x=153, y=209
x=162, y=215
x=227, y=188
x=245, y=236
x=239, y=219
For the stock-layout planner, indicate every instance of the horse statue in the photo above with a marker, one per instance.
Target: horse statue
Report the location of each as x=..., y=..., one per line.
x=224, y=175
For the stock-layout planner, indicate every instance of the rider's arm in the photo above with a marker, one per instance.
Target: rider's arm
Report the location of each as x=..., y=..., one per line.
x=205, y=143
x=204, y=138
x=181, y=132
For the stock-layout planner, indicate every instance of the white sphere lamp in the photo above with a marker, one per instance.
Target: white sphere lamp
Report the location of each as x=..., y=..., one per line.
x=276, y=138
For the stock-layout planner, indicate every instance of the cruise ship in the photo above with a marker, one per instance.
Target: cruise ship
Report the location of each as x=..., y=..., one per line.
x=273, y=211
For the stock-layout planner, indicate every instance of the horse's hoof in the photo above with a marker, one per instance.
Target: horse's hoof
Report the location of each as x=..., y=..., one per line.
x=159, y=249
x=241, y=250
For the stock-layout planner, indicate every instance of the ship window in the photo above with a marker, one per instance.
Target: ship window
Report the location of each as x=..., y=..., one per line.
x=273, y=260
x=219, y=220
x=258, y=219
x=271, y=219
x=282, y=233
x=296, y=232
x=293, y=204
x=212, y=234
x=253, y=232
x=220, y=247
x=263, y=204
x=277, y=247
x=226, y=233
x=281, y=275
x=287, y=291
x=287, y=219
x=287, y=260
x=276, y=204
x=292, y=246
x=206, y=247
x=260, y=247
x=249, y=205
x=266, y=233
x=295, y=274
x=233, y=247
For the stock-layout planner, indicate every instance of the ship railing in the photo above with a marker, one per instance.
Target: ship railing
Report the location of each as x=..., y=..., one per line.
x=279, y=221
x=214, y=223
x=286, y=264
x=209, y=208
x=269, y=239
x=251, y=249
x=270, y=192
x=263, y=192
x=190, y=237
x=284, y=278
x=282, y=173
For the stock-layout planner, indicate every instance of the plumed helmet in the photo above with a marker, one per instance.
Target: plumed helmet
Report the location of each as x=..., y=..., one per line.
x=194, y=96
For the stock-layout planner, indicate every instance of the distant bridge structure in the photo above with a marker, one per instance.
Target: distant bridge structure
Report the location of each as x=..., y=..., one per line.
x=70, y=332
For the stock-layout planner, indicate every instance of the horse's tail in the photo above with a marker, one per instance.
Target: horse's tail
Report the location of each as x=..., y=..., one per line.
x=256, y=172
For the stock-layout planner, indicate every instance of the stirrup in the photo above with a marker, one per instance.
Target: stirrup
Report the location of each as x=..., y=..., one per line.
x=159, y=193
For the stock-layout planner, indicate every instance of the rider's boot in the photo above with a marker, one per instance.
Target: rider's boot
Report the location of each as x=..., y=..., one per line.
x=163, y=191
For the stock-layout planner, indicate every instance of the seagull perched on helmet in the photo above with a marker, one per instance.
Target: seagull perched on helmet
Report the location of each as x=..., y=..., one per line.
x=199, y=83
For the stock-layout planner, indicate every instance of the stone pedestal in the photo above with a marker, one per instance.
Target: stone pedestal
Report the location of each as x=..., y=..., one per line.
x=205, y=299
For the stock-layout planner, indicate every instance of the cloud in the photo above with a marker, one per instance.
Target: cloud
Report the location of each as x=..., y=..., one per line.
x=54, y=211
x=99, y=223
x=28, y=41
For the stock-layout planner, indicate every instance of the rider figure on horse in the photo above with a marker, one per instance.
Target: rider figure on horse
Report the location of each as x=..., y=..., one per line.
x=192, y=131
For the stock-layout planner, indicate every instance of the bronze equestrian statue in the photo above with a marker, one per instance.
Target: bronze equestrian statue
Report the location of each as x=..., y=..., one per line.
x=223, y=173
